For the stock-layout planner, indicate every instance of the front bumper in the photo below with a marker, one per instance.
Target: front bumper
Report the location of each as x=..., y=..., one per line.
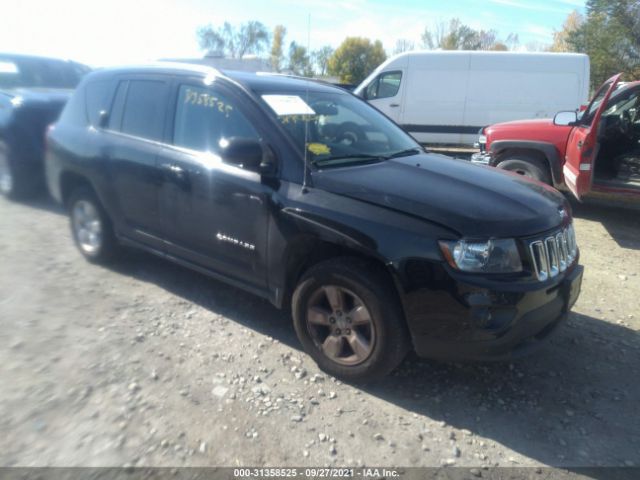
x=467, y=322
x=481, y=157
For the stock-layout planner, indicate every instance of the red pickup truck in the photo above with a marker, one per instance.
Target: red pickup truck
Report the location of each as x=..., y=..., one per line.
x=595, y=152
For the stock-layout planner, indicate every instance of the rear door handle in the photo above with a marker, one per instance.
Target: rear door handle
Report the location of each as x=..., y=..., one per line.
x=173, y=168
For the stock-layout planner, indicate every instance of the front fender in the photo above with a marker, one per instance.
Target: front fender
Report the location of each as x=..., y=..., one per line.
x=548, y=150
x=318, y=219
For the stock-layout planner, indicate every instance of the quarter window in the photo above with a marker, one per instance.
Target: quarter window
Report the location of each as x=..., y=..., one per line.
x=144, y=109
x=205, y=116
x=386, y=85
x=98, y=95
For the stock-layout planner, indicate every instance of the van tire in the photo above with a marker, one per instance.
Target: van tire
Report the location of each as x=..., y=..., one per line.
x=381, y=328
x=527, y=166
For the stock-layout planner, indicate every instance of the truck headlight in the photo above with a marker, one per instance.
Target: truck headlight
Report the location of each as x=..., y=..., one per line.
x=482, y=139
x=492, y=256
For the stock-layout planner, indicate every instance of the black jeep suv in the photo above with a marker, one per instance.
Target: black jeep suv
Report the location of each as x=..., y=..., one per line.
x=305, y=195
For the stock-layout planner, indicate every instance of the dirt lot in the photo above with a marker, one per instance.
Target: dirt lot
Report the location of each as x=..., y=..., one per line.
x=147, y=363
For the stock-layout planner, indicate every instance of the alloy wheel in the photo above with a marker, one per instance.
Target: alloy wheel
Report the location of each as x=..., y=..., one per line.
x=6, y=178
x=340, y=325
x=87, y=226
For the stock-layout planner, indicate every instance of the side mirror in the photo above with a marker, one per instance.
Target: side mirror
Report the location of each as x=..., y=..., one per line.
x=246, y=153
x=103, y=119
x=565, y=118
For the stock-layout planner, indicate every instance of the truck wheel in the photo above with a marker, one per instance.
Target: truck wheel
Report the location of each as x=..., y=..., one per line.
x=527, y=166
x=90, y=226
x=348, y=318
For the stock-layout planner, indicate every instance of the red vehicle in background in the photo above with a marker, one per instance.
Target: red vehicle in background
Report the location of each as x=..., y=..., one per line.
x=594, y=152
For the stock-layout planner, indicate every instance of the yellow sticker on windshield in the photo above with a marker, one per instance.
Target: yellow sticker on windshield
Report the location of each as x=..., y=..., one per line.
x=318, y=148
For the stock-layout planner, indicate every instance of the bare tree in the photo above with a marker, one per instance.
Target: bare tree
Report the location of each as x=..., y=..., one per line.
x=403, y=45
x=249, y=38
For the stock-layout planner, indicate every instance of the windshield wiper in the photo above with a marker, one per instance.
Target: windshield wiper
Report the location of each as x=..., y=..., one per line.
x=350, y=157
x=404, y=153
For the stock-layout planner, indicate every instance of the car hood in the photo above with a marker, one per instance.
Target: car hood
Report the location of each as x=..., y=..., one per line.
x=528, y=127
x=474, y=200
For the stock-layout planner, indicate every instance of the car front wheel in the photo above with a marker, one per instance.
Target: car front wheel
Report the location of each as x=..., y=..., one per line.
x=348, y=318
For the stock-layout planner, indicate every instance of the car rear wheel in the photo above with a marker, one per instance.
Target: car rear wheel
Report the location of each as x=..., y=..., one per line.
x=90, y=226
x=348, y=318
x=527, y=166
x=15, y=182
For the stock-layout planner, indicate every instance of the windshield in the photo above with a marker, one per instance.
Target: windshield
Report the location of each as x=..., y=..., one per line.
x=339, y=129
x=39, y=72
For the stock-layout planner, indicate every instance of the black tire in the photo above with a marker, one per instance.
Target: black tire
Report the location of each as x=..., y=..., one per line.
x=526, y=165
x=16, y=181
x=107, y=248
x=377, y=293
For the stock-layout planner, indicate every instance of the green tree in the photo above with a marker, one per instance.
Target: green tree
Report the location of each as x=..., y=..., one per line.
x=299, y=60
x=248, y=38
x=610, y=35
x=561, y=37
x=321, y=59
x=277, y=55
x=355, y=58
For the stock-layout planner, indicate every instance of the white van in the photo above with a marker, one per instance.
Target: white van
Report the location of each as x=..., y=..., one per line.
x=448, y=96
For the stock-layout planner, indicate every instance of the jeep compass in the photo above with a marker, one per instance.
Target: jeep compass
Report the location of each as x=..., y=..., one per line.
x=305, y=195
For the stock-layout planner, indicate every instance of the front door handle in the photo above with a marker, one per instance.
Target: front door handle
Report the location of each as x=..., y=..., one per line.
x=580, y=144
x=394, y=105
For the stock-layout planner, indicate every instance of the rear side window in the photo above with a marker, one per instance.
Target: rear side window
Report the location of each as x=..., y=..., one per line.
x=144, y=109
x=386, y=85
x=205, y=116
x=98, y=94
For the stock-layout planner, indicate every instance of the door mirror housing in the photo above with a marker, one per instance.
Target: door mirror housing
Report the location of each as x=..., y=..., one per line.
x=103, y=119
x=565, y=119
x=247, y=153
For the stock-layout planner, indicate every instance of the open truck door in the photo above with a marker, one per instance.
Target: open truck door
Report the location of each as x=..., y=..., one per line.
x=582, y=146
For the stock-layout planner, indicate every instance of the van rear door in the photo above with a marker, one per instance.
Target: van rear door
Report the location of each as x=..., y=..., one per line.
x=582, y=147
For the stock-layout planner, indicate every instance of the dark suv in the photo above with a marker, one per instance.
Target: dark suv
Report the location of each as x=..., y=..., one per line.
x=305, y=195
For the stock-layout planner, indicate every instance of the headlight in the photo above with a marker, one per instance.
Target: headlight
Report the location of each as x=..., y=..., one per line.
x=482, y=139
x=492, y=256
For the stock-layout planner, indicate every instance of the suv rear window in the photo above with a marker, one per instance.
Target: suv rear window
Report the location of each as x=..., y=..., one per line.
x=144, y=109
x=23, y=71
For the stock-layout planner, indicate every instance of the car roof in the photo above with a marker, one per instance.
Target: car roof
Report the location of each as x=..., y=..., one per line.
x=19, y=56
x=257, y=82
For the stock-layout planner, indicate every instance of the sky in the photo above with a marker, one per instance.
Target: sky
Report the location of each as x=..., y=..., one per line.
x=110, y=32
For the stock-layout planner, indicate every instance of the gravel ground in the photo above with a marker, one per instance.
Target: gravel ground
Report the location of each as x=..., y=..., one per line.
x=147, y=363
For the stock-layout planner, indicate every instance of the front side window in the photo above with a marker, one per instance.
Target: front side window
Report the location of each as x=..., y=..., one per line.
x=590, y=114
x=205, y=116
x=144, y=109
x=337, y=128
x=386, y=85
